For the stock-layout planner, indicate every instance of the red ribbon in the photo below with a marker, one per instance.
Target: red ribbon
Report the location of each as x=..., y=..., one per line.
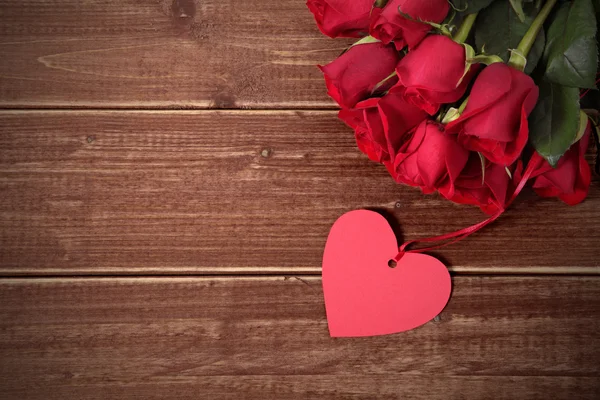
x=586, y=92
x=459, y=235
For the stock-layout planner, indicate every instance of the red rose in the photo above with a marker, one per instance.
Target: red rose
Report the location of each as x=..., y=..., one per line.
x=337, y=18
x=491, y=193
x=352, y=76
x=387, y=24
x=428, y=157
x=381, y=123
x=494, y=122
x=368, y=130
x=570, y=180
x=432, y=72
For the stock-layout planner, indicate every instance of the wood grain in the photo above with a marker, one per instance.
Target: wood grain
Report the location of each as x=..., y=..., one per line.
x=224, y=338
x=162, y=53
x=116, y=193
x=236, y=192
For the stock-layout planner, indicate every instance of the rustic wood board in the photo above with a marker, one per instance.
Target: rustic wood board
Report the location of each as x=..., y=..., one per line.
x=115, y=192
x=162, y=53
x=235, y=192
x=261, y=337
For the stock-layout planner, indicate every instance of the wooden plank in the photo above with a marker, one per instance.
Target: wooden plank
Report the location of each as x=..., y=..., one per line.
x=256, y=338
x=162, y=53
x=216, y=192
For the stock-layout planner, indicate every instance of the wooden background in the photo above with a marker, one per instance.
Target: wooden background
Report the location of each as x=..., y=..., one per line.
x=169, y=171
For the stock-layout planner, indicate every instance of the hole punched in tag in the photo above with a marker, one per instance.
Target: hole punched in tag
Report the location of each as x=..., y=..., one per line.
x=392, y=263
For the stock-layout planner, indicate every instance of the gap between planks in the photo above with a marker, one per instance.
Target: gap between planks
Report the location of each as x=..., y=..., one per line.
x=242, y=278
x=167, y=107
x=262, y=273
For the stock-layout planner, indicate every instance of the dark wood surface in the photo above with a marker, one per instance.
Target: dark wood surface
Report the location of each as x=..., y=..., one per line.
x=132, y=216
x=162, y=53
x=167, y=192
x=225, y=338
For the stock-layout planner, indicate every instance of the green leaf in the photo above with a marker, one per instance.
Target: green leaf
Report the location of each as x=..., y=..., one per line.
x=383, y=82
x=484, y=59
x=554, y=122
x=482, y=161
x=583, y=122
x=498, y=29
x=571, y=54
x=451, y=115
x=470, y=6
x=379, y=3
x=366, y=40
x=469, y=54
x=517, y=5
x=461, y=8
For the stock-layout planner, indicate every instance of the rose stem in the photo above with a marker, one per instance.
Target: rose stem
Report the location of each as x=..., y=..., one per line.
x=519, y=58
x=465, y=28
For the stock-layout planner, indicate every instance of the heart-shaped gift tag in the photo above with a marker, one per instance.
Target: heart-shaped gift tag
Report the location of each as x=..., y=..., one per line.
x=364, y=296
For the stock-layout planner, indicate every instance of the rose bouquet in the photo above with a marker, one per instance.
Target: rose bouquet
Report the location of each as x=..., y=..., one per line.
x=469, y=98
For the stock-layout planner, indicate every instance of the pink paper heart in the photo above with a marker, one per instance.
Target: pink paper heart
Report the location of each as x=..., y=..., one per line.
x=363, y=295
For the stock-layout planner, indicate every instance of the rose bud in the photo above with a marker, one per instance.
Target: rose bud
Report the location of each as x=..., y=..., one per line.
x=490, y=192
x=341, y=18
x=352, y=76
x=494, y=121
x=434, y=73
x=570, y=180
x=428, y=157
x=381, y=123
x=388, y=24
